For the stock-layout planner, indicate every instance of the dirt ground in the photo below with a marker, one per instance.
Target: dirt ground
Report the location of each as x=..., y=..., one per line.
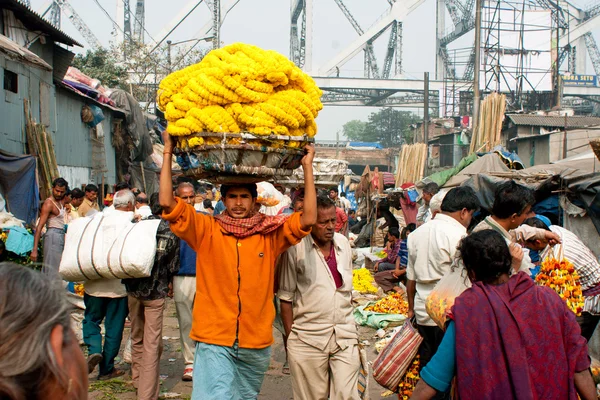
x=276, y=385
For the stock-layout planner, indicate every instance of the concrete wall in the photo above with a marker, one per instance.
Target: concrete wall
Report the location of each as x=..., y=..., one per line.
x=577, y=142
x=534, y=151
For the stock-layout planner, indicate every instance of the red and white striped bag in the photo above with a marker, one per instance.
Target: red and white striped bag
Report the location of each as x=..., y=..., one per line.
x=391, y=364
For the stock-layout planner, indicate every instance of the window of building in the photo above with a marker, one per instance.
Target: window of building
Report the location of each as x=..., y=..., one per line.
x=11, y=81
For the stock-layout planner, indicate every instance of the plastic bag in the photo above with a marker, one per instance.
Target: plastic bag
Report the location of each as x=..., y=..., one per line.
x=268, y=196
x=441, y=299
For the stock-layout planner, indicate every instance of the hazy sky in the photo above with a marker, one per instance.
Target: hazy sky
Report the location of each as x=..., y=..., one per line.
x=265, y=23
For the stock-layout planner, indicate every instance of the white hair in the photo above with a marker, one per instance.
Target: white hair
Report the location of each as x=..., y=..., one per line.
x=123, y=198
x=435, y=204
x=184, y=185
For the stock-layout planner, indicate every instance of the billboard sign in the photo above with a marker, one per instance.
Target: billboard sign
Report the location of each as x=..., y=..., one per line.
x=579, y=80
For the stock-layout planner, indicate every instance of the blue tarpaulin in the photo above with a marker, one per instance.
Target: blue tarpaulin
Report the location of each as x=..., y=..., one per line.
x=18, y=186
x=365, y=144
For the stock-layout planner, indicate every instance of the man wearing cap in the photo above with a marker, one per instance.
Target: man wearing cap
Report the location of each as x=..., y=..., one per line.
x=233, y=310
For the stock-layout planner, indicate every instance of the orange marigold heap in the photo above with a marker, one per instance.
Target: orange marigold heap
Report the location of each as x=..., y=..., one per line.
x=391, y=304
x=561, y=277
x=409, y=380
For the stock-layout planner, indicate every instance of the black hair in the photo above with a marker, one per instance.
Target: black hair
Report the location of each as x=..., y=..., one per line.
x=60, y=182
x=407, y=229
x=511, y=198
x=431, y=188
x=324, y=201
x=536, y=223
x=122, y=186
x=485, y=255
x=460, y=198
x=395, y=232
x=155, y=204
x=334, y=189
x=141, y=199
x=136, y=192
x=343, y=194
x=77, y=193
x=91, y=188
x=250, y=186
x=351, y=212
x=208, y=204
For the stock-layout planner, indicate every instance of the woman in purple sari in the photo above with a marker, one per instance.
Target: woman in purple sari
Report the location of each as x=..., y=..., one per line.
x=507, y=338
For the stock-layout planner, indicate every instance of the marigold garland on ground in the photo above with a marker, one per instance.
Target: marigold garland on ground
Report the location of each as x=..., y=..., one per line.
x=391, y=304
x=562, y=277
x=362, y=281
x=240, y=88
x=409, y=380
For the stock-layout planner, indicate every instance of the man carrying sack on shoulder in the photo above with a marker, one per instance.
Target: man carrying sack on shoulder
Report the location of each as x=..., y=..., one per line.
x=233, y=313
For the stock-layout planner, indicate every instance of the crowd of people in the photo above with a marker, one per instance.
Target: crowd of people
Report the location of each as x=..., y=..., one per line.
x=225, y=265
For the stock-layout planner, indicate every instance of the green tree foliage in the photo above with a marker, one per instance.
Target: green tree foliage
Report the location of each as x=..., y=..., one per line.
x=389, y=127
x=102, y=64
x=355, y=130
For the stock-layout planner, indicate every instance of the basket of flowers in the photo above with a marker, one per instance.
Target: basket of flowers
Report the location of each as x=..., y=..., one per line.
x=242, y=113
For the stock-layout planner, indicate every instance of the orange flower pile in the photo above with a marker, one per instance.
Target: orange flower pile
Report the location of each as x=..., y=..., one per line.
x=79, y=289
x=561, y=277
x=409, y=380
x=391, y=304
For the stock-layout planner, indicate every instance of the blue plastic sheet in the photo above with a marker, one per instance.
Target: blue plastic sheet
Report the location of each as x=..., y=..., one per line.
x=19, y=241
x=19, y=187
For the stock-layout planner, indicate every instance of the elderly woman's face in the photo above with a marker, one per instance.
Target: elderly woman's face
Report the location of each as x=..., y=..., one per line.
x=71, y=361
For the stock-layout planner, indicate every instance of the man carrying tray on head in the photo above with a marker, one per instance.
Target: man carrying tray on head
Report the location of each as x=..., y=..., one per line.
x=233, y=311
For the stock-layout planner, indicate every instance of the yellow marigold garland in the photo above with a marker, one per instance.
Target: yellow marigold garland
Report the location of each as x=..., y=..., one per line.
x=239, y=88
x=391, y=304
x=362, y=281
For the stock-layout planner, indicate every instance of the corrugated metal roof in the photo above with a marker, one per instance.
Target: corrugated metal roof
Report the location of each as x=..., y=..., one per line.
x=36, y=22
x=16, y=52
x=551, y=122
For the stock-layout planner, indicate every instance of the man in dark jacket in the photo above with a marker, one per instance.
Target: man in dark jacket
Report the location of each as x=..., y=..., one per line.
x=146, y=297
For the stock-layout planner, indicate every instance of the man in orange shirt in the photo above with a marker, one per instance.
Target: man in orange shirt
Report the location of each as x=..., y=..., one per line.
x=233, y=310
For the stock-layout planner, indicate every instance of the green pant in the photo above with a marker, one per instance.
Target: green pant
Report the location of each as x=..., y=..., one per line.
x=113, y=311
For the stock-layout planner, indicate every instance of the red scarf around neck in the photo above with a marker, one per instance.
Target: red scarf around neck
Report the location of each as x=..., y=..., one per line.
x=254, y=224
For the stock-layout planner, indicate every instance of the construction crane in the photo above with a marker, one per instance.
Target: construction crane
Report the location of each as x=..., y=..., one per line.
x=138, y=26
x=63, y=6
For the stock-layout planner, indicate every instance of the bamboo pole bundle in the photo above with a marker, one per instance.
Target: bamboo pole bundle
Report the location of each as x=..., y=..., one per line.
x=489, y=126
x=41, y=146
x=411, y=163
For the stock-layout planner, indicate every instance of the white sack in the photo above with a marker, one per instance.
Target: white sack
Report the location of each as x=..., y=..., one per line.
x=108, y=246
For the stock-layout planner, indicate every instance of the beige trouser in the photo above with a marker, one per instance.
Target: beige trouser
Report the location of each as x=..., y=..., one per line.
x=184, y=292
x=146, y=345
x=331, y=373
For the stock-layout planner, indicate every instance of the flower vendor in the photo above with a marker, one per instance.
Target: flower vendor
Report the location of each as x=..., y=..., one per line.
x=585, y=263
x=233, y=312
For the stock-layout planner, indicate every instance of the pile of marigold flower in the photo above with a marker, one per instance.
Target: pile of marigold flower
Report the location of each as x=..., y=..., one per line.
x=362, y=281
x=409, y=380
x=240, y=88
x=390, y=304
x=561, y=277
x=79, y=289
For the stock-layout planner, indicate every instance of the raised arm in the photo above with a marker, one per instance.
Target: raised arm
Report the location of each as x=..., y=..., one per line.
x=165, y=191
x=309, y=214
x=46, y=208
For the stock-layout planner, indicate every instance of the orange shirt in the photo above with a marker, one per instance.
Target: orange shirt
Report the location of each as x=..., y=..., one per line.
x=234, y=277
x=341, y=219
